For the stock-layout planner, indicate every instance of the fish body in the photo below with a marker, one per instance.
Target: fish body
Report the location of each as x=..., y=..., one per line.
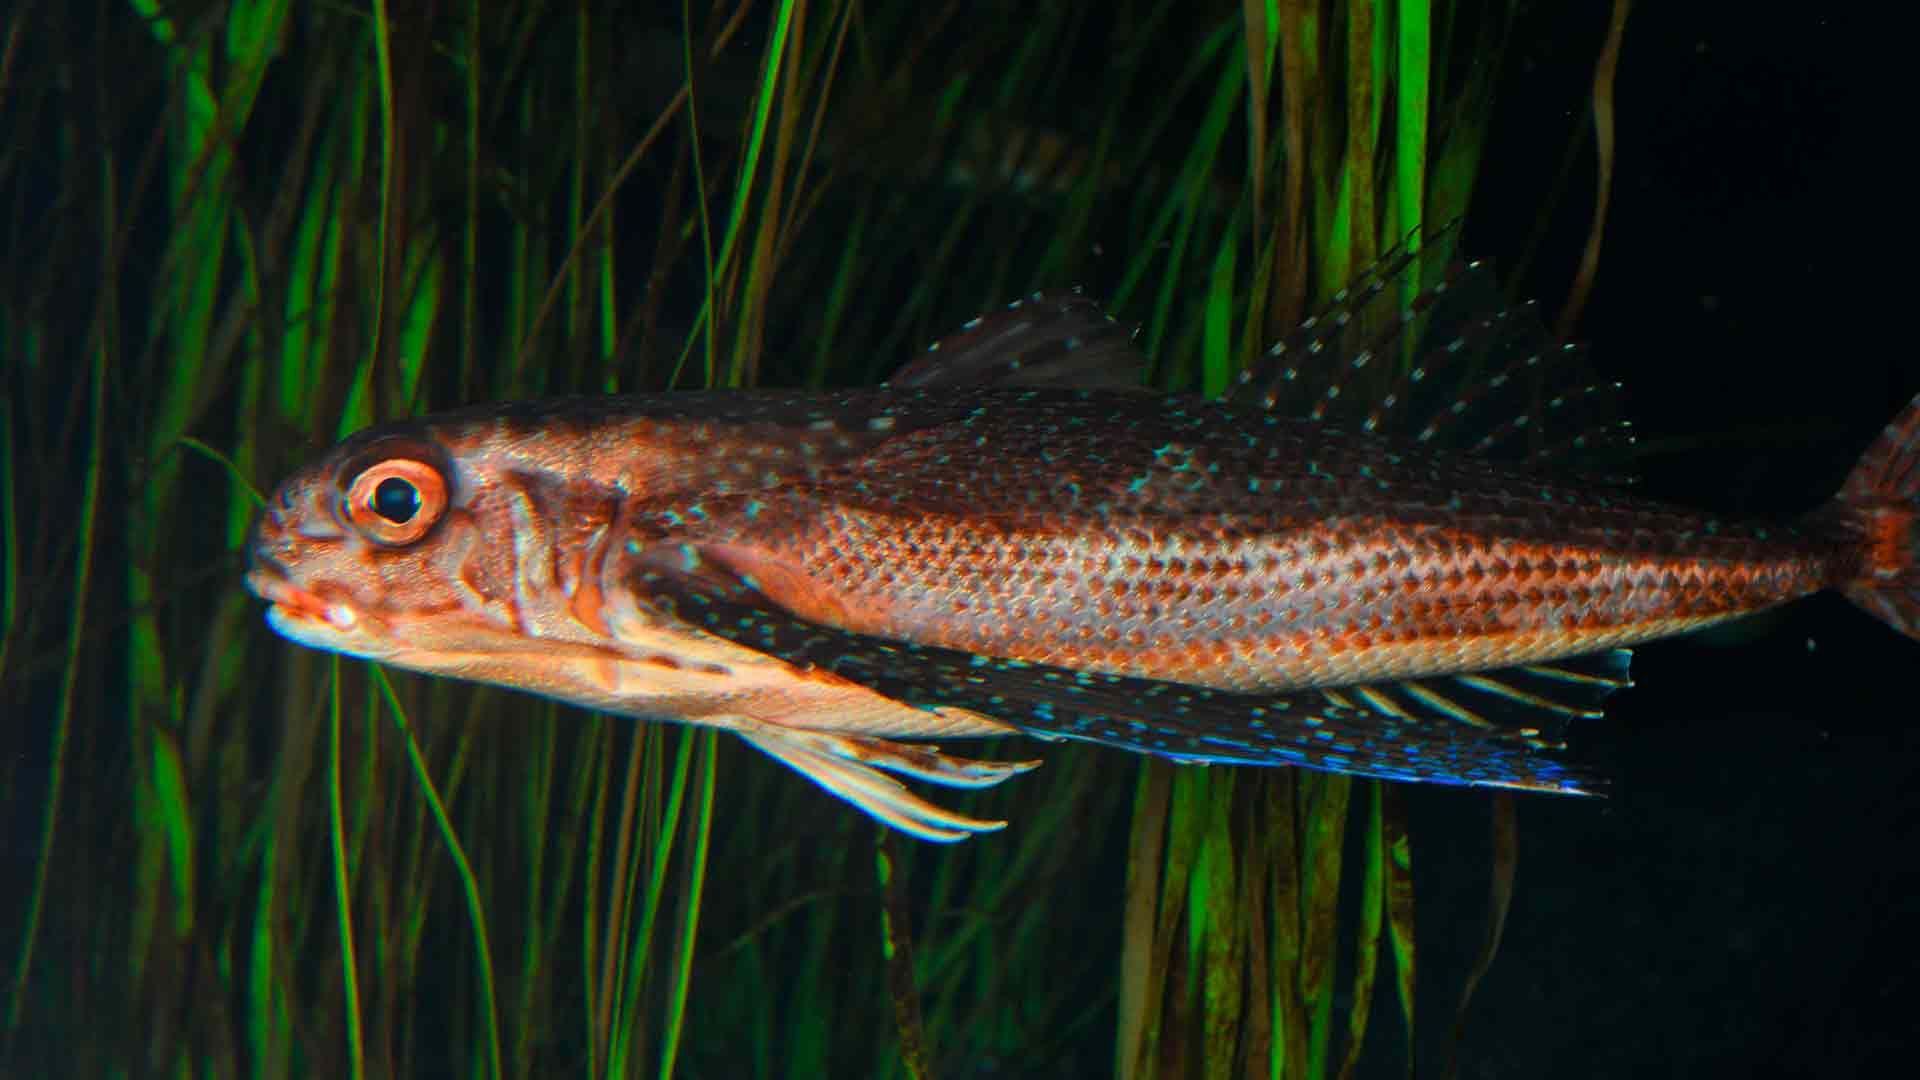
x=950, y=555
x=1203, y=543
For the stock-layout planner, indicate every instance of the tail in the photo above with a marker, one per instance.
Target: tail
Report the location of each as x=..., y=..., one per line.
x=1882, y=498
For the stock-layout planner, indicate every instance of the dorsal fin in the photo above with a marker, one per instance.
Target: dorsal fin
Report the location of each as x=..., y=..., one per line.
x=1426, y=348
x=1323, y=368
x=1053, y=338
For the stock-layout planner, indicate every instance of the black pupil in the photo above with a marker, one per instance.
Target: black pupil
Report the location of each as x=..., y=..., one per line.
x=396, y=500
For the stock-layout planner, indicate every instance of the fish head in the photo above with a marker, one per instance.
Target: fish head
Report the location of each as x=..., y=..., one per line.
x=456, y=549
x=378, y=549
x=494, y=551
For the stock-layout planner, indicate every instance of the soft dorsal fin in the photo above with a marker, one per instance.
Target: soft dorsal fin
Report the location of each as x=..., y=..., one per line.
x=1053, y=338
x=1331, y=366
x=1426, y=348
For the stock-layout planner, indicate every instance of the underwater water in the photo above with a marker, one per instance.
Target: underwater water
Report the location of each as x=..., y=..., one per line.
x=1743, y=902
x=1740, y=906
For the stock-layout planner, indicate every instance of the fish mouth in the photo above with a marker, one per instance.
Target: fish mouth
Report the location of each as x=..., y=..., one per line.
x=296, y=612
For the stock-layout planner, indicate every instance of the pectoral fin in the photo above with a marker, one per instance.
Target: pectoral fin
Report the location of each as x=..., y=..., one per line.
x=1360, y=731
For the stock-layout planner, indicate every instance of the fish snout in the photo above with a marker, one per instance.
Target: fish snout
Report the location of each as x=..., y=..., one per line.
x=266, y=540
x=269, y=575
x=263, y=570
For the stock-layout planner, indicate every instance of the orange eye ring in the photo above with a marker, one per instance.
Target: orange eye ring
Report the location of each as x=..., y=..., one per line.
x=397, y=501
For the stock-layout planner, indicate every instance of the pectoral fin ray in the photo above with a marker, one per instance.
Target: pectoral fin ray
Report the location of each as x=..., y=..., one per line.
x=1534, y=700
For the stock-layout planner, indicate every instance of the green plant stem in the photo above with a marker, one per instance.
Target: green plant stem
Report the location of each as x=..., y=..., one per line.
x=64, y=709
x=469, y=884
x=342, y=886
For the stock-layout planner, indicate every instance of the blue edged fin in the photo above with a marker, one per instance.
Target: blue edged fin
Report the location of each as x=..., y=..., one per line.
x=1053, y=338
x=1360, y=731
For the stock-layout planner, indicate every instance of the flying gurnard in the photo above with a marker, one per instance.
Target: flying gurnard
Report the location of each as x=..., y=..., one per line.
x=1009, y=537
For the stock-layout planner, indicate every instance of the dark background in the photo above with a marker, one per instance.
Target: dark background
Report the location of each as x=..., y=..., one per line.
x=1744, y=903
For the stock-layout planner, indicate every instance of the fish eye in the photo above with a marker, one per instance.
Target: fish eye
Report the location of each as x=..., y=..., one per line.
x=394, y=502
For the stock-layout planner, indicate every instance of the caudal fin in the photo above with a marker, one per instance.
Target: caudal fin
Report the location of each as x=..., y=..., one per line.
x=1882, y=496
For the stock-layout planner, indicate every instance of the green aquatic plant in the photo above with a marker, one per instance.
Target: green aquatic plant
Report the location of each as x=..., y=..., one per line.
x=257, y=225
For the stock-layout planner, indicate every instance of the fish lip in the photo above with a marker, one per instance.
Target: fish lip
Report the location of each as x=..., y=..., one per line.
x=267, y=580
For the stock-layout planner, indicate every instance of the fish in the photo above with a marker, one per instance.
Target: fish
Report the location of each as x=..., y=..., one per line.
x=1011, y=537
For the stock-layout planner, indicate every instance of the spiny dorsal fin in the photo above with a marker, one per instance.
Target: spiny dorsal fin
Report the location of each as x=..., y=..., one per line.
x=1053, y=338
